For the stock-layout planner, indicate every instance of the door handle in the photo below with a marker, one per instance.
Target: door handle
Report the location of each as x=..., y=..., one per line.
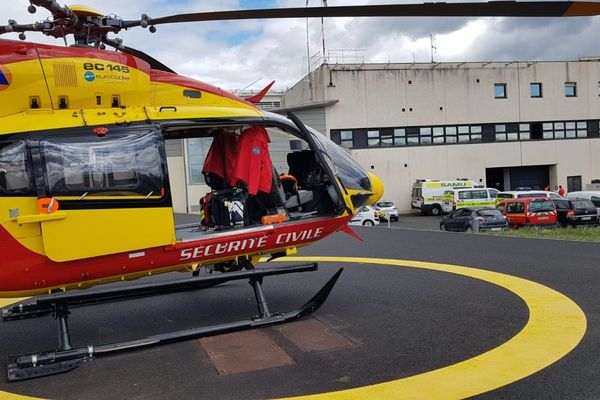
x=31, y=219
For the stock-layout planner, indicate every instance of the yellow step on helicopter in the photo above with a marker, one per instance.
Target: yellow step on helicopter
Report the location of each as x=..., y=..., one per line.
x=85, y=197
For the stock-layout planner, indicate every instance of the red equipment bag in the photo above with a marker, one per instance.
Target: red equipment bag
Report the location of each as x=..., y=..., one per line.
x=205, y=211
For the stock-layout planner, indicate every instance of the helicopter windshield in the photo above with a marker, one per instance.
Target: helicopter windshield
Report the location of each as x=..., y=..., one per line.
x=352, y=175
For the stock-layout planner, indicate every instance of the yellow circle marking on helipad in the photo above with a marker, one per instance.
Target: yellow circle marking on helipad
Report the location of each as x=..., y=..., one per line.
x=555, y=326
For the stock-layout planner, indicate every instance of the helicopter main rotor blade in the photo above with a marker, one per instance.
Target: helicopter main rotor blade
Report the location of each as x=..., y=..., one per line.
x=488, y=9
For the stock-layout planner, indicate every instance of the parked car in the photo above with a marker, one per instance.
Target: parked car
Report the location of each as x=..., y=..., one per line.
x=474, y=219
x=386, y=209
x=522, y=194
x=367, y=216
x=529, y=211
x=575, y=212
x=592, y=195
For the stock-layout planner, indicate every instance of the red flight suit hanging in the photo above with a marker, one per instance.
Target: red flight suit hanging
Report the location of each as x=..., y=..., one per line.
x=221, y=157
x=253, y=165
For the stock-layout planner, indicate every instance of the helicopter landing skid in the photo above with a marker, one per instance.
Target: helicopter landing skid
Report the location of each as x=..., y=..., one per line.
x=66, y=358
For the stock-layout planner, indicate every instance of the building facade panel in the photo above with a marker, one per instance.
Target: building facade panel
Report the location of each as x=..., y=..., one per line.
x=513, y=123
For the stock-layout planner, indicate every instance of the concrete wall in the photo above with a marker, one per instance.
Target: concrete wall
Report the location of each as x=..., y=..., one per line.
x=313, y=117
x=400, y=167
x=393, y=95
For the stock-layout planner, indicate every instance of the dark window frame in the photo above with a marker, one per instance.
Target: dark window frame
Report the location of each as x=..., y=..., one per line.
x=503, y=87
x=539, y=87
x=569, y=85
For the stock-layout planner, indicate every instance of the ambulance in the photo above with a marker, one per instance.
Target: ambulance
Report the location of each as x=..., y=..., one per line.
x=435, y=197
x=474, y=197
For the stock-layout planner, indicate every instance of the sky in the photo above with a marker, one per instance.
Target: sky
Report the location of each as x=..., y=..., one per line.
x=249, y=54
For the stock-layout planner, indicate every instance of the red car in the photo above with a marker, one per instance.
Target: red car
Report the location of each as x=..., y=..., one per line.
x=532, y=211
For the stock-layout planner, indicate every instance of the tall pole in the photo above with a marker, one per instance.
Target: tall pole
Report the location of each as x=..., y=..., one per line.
x=308, y=56
x=324, y=4
x=433, y=48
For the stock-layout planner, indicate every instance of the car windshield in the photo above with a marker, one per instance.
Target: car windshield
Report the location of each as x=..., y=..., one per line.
x=541, y=205
x=385, y=204
x=582, y=204
x=489, y=213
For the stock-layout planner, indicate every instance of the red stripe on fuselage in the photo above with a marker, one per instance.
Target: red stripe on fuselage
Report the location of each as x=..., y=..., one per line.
x=24, y=270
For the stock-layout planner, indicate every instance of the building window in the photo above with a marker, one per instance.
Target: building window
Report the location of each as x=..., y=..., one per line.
x=425, y=134
x=570, y=130
x=535, y=90
x=570, y=89
x=399, y=137
x=581, y=129
x=438, y=135
x=451, y=134
x=524, y=132
x=500, y=90
x=346, y=139
x=412, y=140
x=475, y=134
x=373, y=138
x=500, y=133
x=565, y=130
x=387, y=139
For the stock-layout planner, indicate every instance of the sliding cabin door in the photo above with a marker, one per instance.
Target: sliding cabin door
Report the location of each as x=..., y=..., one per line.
x=105, y=191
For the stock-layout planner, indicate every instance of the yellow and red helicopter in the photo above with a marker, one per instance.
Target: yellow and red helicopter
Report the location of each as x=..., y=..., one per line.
x=85, y=197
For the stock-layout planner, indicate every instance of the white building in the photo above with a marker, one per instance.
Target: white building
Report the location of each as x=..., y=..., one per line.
x=504, y=124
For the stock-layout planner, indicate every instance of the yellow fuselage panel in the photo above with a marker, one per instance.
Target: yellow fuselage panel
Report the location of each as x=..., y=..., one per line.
x=94, y=83
x=29, y=235
x=91, y=233
x=27, y=81
x=165, y=94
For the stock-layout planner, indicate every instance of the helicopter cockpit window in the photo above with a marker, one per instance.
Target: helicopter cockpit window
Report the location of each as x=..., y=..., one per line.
x=114, y=165
x=15, y=174
x=349, y=171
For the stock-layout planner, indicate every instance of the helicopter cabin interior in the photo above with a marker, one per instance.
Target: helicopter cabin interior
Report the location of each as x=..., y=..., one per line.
x=250, y=184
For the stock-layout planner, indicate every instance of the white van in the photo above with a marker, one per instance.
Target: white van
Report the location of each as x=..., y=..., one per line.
x=592, y=195
x=520, y=194
x=477, y=197
x=434, y=197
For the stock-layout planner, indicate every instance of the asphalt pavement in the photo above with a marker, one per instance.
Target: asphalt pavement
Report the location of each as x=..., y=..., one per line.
x=399, y=322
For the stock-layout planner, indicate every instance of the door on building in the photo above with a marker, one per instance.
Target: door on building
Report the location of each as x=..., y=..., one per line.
x=494, y=178
x=573, y=183
x=534, y=177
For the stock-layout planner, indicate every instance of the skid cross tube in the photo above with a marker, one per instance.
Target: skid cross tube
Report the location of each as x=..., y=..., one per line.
x=66, y=358
x=45, y=304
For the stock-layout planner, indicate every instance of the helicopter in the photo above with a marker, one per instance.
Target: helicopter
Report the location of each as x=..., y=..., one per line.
x=85, y=194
